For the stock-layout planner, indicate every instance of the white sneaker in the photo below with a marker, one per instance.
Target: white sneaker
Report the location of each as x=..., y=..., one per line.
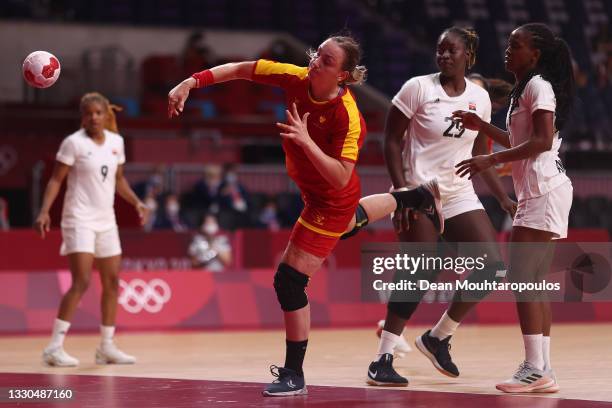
x=526, y=379
x=110, y=354
x=57, y=357
x=552, y=388
x=401, y=347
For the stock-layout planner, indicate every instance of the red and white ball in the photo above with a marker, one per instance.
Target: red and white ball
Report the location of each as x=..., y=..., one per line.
x=41, y=69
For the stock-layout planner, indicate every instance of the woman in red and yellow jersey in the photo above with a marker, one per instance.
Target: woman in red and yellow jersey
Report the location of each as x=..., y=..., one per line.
x=321, y=140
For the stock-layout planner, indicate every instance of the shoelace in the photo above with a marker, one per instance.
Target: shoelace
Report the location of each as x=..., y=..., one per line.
x=276, y=372
x=522, y=370
x=444, y=350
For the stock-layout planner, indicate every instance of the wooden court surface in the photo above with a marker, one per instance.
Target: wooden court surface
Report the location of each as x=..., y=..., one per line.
x=581, y=356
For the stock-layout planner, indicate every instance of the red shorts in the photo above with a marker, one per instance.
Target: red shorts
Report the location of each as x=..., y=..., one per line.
x=318, y=230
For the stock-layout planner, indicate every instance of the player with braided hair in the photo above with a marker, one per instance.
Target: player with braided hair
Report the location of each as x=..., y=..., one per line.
x=540, y=105
x=421, y=117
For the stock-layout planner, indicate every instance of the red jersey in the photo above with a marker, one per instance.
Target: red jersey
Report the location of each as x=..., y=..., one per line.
x=336, y=126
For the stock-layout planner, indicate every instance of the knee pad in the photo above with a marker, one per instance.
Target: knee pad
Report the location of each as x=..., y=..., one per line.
x=361, y=220
x=290, y=285
x=402, y=309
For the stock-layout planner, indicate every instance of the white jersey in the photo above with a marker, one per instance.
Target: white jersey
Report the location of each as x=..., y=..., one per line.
x=435, y=143
x=90, y=195
x=536, y=175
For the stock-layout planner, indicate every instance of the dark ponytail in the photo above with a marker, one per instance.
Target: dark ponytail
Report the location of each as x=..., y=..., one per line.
x=555, y=66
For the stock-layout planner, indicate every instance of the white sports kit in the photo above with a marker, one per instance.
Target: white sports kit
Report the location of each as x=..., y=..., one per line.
x=543, y=189
x=88, y=216
x=435, y=143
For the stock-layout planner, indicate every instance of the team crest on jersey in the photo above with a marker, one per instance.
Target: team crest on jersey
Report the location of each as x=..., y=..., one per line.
x=114, y=152
x=472, y=106
x=322, y=119
x=317, y=218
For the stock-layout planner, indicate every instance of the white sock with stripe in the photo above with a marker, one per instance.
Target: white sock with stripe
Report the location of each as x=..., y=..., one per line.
x=533, y=350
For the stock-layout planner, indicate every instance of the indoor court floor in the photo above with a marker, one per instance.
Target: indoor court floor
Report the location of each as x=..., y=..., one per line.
x=230, y=368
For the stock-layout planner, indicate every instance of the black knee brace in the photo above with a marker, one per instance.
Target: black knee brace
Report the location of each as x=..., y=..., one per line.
x=403, y=305
x=289, y=285
x=492, y=272
x=361, y=220
x=403, y=309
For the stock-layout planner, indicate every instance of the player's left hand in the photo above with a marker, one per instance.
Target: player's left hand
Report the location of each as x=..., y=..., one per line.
x=509, y=206
x=295, y=129
x=474, y=165
x=143, y=212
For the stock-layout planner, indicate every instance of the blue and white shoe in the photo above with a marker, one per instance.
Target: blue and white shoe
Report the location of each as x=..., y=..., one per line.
x=288, y=383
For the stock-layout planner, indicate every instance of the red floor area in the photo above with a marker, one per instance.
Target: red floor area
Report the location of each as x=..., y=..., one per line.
x=103, y=391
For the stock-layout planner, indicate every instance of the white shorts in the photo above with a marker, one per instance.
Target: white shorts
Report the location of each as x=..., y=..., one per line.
x=460, y=203
x=100, y=244
x=548, y=212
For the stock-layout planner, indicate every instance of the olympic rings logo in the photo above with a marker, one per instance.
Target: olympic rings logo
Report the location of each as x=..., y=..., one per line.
x=138, y=295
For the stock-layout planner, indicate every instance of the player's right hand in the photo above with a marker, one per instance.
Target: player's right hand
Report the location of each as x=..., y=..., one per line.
x=177, y=97
x=401, y=219
x=469, y=120
x=43, y=224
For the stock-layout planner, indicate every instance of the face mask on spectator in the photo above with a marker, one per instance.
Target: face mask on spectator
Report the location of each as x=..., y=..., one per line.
x=210, y=228
x=172, y=208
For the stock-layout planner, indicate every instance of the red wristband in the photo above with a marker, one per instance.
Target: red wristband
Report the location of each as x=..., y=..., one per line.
x=203, y=78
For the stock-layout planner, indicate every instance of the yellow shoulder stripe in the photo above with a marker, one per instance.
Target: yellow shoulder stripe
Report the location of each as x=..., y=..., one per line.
x=267, y=67
x=350, y=149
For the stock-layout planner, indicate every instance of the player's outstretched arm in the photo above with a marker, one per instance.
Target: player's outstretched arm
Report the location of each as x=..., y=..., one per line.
x=221, y=73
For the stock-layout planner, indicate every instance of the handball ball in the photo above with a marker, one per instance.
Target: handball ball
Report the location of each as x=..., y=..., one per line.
x=41, y=69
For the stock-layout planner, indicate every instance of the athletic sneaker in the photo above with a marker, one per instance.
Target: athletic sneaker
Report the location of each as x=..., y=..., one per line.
x=381, y=372
x=57, y=357
x=432, y=206
x=110, y=354
x=437, y=351
x=287, y=383
x=526, y=379
x=552, y=388
x=401, y=347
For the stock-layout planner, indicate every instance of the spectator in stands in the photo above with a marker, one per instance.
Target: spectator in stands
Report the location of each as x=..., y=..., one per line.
x=4, y=220
x=233, y=200
x=154, y=185
x=210, y=249
x=269, y=216
x=170, y=218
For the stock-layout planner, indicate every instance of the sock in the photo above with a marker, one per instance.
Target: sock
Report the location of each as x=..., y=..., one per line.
x=107, y=333
x=294, y=357
x=444, y=328
x=546, y=352
x=387, y=343
x=533, y=350
x=408, y=199
x=60, y=328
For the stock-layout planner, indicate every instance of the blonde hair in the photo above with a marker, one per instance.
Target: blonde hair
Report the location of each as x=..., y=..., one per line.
x=357, y=74
x=111, y=118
